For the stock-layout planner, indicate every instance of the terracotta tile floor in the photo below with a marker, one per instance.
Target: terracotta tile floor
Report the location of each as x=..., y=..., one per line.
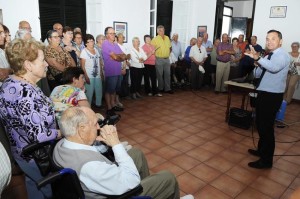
x=186, y=133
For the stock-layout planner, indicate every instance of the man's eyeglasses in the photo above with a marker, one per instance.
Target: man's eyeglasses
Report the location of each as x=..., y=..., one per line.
x=111, y=33
x=200, y=50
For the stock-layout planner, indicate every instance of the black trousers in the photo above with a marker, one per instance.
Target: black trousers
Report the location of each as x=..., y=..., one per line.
x=267, y=105
x=124, y=85
x=136, y=75
x=150, y=74
x=196, y=77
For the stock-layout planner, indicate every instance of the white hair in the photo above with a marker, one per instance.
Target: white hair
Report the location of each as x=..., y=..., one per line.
x=71, y=119
x=21, y=33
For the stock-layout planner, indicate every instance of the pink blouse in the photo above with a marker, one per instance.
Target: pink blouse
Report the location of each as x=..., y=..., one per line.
x=148, y=49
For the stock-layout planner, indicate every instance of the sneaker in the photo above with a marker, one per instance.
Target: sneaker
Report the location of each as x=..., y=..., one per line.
x=138, y=95
x=119, y=104
x=133, y=96
x=116, y=108
x=150, y=94
x=187, y=197
x=158, y=95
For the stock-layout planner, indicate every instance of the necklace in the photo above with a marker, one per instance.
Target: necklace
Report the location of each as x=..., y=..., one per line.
x=28, y=81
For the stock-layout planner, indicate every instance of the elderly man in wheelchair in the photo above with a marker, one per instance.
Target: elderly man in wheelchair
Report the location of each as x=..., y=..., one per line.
x=98, y=175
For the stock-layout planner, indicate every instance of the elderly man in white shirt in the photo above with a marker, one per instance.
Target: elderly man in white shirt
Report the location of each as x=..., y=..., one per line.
x=97, y=174
x=198, y=56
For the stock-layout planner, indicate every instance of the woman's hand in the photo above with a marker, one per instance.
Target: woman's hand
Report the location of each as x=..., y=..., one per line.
x=87, y=80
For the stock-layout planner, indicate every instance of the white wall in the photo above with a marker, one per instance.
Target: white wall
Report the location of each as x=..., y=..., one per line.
x=15, y=11
x=241, y=8
x=197, y=13
x=135, y=12
x=288, y=26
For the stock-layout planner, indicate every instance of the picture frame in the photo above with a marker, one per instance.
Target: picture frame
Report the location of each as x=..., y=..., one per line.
x=278, y=11
x=201, y=30
x=121, y=27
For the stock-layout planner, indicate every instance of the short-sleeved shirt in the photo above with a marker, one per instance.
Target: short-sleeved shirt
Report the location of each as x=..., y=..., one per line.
x=162, y=46
x=92, y=63
x=66, y=96
x=208, y=44
x=148, y=49
x=224, y=46
x=196, y=54
x=111, y=67
x=27, y=115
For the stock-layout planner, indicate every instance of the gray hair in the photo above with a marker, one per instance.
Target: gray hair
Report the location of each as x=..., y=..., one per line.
x=160, y=27
x=135, y=38
x=99, y=36
x=21, y=33
x=296, y=43
x=70, y=121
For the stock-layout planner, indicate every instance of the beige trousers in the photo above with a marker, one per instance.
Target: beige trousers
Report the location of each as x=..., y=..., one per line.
x=222, y=74
x=291, y=82
x=161, y=185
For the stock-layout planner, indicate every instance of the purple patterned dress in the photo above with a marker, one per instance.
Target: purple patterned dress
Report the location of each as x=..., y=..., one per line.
x=27, y=115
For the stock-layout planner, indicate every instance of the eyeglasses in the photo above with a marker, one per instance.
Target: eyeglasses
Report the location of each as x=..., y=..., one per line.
x=111, y=33
x=69, y=33
x=55, y=37
x=200, y=50
x=78, y=37
x=295, y=46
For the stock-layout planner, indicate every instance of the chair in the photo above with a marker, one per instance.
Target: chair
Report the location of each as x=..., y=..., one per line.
x=64, y=181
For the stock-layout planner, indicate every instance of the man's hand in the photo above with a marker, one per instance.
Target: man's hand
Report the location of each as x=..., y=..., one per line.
x=109, y=135
x=252, y=53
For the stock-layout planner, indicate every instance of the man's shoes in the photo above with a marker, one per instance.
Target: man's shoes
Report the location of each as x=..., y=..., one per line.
x=150, y=94
x=259, y=164
x=138, y=95
x=254, y=152
x=119, y=104
x=158, y=95
x=133, y=96
x=187, y=197
x=116, y=108
x=170, y=92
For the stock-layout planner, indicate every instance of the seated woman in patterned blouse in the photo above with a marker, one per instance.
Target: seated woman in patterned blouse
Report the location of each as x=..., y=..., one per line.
x=70, y=94
x=26, y=113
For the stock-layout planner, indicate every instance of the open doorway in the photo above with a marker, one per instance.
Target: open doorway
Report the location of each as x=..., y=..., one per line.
x=234, y=17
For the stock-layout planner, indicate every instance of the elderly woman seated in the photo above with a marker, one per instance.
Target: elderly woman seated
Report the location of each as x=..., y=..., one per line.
x=26, y=113
x=71, y=93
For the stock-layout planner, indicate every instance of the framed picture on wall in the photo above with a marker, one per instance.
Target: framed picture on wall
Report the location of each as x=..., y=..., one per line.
x=121, y=27
x=278, y=11
x=201, y=30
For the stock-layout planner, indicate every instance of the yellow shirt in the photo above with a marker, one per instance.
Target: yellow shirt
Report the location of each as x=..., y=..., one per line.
x=162, y=45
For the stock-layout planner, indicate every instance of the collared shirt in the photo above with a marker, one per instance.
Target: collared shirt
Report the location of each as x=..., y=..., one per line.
x=162, y=46
x=126, y=51
x=176, y=49
x=274, y=79
x=136, y=56
x=224, y=46
x=208, y=44
x=196, y=54
x=110, y=179
x=111, y=67
x=5, y=168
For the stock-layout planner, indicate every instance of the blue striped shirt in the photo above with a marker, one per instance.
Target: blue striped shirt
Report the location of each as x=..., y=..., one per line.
x=277, y=67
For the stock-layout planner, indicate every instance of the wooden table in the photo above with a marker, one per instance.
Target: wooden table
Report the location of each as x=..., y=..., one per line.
x=244, y=88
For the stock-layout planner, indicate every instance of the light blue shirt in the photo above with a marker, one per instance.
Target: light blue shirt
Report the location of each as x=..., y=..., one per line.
x=176, y=49
x=100, y=177
x=208, y=44
x=277, y=67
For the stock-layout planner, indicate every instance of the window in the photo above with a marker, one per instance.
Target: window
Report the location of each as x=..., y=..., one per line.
x=153, y=17
x=67, y=12
x=227, y=18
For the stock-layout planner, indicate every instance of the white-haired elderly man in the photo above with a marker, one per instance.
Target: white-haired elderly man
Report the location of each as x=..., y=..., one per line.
x=97, y=174
x=176, y=46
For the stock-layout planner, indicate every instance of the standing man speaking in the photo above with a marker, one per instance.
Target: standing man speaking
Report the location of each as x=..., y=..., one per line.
x=272, y=72
x=163, y=46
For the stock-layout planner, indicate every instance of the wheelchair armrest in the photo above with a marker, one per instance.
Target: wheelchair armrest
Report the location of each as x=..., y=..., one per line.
x=30, y=148
x=54, y=176
x=133, y=192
